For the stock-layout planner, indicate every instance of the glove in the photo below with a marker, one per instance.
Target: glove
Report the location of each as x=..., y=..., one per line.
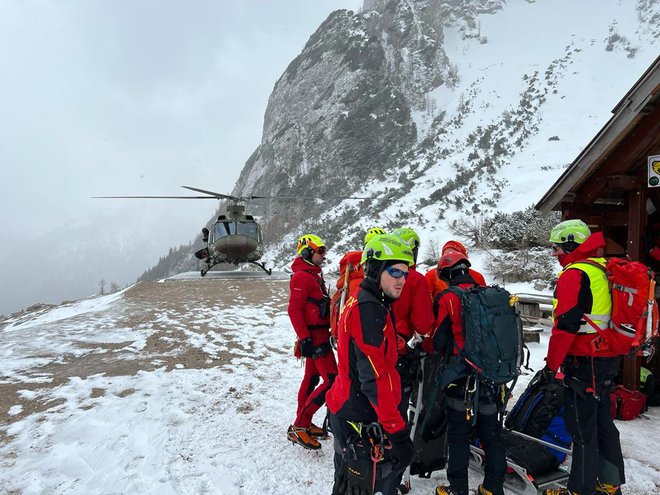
x=402, y=451
x=547, y=375
x=353, y=476
x=306, y=347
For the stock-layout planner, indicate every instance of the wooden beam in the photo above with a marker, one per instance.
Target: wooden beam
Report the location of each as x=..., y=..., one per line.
x=625, y=182
x=640, y=138
x=636, y=223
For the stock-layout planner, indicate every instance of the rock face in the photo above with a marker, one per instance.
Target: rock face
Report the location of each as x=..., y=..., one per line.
x=443, y=109
x=335, y=119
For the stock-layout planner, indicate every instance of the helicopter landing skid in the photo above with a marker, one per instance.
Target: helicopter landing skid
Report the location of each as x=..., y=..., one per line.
x=269, y=271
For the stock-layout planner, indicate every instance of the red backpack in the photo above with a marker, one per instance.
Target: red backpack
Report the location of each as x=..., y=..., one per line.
x=634, y=320
x=626, y=404
x=351, y=274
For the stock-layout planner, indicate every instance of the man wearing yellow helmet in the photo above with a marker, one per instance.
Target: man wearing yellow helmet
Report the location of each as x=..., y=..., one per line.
x=309, y=311
x=364, y=400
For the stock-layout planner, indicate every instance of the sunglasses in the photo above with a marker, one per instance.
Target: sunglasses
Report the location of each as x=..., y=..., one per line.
x=556, y=247
x=321, y=250
x=396, y=272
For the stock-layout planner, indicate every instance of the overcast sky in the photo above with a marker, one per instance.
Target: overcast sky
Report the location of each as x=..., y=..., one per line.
x=135, y=97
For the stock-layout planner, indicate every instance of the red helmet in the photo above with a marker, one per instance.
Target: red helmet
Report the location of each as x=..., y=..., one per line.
x=452, y=258
x=454, y=246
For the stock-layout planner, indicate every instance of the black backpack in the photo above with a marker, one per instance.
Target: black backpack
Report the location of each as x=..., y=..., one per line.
x=492, y=329
x=539, y=414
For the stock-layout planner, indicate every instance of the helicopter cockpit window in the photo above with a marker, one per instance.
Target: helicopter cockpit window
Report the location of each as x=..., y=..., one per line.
x=223, y=229
x=248, y=228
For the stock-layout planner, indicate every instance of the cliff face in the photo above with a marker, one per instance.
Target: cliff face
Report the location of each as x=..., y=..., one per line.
x=335, y=119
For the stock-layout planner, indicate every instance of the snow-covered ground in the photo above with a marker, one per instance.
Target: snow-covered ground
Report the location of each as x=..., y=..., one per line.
x=182, y=387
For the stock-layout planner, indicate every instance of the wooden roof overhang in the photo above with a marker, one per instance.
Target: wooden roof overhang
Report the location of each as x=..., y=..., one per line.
x=606, y=185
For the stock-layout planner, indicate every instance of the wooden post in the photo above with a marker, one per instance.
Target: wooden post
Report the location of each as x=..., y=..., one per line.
x=636, y=223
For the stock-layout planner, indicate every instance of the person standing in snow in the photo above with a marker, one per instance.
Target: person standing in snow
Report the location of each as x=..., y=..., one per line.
x=457, y=380
x=309, y=311
x=372, y=441
x=583, y=290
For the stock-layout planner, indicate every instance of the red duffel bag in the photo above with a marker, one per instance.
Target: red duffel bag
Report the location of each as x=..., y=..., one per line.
x=627, y=404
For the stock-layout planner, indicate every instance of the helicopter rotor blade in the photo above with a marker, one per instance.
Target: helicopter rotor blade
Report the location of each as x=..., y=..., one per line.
x=324, y=198
x=153, y=197
x=215, y=194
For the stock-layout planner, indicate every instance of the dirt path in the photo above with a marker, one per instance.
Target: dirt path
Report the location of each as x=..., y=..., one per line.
x=173, y=324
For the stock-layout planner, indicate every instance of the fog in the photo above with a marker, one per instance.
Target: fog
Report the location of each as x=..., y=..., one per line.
x=133, y=98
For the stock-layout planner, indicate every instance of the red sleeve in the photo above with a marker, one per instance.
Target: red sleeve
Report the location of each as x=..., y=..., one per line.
x=449, y=323
x=478, y=277
x=379, y=379
x=430, y=279
x=299, y=292
x=566, y=317
x=421, y=314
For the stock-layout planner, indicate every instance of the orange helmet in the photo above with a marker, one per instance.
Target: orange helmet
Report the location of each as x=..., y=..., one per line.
x=454, y=246
x=452, y=258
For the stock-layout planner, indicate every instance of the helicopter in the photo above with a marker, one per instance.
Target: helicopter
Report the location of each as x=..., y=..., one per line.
x=235, y=237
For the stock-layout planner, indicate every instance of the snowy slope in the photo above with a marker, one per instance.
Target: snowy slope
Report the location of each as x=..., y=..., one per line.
x=182, y=387
x=535, y=81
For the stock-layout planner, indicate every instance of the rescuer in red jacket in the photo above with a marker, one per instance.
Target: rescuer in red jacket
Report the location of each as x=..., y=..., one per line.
x=309, y=311
x=372, y=441
x=589, y=370
x=448, y=338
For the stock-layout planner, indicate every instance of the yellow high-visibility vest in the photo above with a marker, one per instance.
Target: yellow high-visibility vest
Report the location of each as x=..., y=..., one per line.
x=601, y=309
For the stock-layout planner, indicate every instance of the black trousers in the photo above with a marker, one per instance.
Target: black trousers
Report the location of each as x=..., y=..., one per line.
x=596, y=445
x=488, y=429
x=386, y=479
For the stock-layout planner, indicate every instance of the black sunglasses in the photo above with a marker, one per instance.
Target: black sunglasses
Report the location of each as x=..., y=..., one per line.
x=396, y=272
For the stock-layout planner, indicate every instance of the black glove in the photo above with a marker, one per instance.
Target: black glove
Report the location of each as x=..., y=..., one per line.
x=306, y=347
x=547, y=375
x=354, y=475
x=402, y=451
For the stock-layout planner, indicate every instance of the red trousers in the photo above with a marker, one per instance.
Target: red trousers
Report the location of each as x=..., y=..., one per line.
x=311, y=395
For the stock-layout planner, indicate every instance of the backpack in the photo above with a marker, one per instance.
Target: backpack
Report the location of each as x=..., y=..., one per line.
x=630, y=329
x=626, y=404
x=492, y=329
x=351, y=274
x=539, y=413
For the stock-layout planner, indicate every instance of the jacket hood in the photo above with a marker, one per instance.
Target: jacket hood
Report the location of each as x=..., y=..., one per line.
x=300, y=265
x=593, y=247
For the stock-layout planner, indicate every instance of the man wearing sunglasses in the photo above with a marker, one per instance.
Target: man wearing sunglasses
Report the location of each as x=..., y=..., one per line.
x=309, y=310
x=372, y=440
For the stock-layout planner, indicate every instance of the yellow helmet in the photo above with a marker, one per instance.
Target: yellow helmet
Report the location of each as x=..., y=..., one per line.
x=373, y=231
x=311, y=242
x=387, y=248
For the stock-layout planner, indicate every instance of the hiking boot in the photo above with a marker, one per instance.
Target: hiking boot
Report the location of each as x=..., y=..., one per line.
x=559, y=491
x=607, y=489
x=482, y=491
x=317, y=431
x=444, y=490
x=302, y=437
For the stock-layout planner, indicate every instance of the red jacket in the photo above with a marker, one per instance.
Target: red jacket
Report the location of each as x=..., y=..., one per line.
x=574, y=299
x=307, y=291
x=368, y=386
x=413, y=310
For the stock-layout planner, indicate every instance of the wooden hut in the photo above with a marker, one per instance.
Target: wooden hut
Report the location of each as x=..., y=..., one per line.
x=612, y=186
